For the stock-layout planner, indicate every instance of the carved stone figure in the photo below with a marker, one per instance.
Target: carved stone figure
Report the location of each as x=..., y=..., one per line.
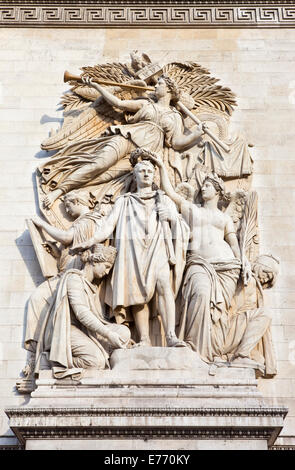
x=188, y=254
x=212, y=269
x=248, y=342
x=75, y=333
x=95, y=142
x=151, y=240
x=83, y=228
x=153, y=124
x=77, y=206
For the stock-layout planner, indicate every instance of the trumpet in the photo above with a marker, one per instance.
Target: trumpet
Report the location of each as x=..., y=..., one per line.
x=68, y=77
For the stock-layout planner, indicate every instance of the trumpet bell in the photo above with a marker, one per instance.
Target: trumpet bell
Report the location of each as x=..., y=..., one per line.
x=68, y=77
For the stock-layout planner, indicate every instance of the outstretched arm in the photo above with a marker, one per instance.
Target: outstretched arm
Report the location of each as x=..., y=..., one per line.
x=166, y=184
x=105, y=232
x=181, y=141
x=63, y=236
x=86, y=317
x=125, y=105
x=231, y=238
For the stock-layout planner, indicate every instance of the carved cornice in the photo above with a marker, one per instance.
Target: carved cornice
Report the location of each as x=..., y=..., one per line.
x=282, y=447
x=42, y=412
x=147, y=433
x=147, y=14
x=74, y=423
x=148, y=2
x=14, y=447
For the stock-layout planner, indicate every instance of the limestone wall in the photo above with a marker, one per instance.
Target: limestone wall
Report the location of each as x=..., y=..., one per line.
x=258, y=65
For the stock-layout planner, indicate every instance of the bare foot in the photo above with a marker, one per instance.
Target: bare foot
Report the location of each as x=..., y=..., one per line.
x=51, y=198
x=174, y=342
x=144, y=342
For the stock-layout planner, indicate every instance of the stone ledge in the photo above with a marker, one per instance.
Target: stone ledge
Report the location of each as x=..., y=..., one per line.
x=257, y=412
x=189, y=425
x=150, y=2
x=151, y=405
x=146, y=14
x=157, y=359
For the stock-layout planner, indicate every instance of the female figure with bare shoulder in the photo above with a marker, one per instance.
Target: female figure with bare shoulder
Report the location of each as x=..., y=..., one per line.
x=212, y=269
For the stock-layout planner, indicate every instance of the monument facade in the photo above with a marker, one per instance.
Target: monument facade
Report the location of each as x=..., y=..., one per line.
x=160, y=279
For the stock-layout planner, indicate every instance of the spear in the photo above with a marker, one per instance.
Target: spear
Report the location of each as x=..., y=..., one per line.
x=68, y=77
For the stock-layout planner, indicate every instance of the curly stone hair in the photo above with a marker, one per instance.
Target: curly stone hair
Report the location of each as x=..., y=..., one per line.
x=82, y=197
x=217, y=183
x=140, y=155
x=268, y=264
x=99, y=254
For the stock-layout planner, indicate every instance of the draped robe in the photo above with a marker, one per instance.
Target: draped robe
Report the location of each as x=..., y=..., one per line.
x=40, y=301
x=142, y=243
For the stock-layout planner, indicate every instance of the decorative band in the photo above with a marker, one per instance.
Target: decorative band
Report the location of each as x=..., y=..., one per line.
x=83, y=15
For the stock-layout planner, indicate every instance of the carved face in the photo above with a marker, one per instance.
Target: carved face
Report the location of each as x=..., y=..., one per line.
x=73, y=208
x=161, y=88
x=208, y=191
x=266, y=269
x=265, y=278
x=144, y=175
x=101, y=269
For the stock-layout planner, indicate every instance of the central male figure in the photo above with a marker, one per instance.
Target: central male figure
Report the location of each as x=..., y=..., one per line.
x=151, y=240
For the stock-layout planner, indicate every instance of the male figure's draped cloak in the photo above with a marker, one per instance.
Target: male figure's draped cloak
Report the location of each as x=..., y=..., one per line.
x=142, y=243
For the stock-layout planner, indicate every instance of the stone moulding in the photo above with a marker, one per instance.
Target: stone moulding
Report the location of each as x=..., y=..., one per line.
x=258, y=412
x=93, y=423
x=147, y=14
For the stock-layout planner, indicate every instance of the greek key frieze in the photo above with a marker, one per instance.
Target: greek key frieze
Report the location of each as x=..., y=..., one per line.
x=86, y=15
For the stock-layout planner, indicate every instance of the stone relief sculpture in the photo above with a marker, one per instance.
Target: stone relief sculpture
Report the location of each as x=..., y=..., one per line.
x=145, y=164
x=102, y=126
x=75, y=334
x=212, y=268
x=248, y=341
x=150, y=238
x=78, y=206
x=221, y=320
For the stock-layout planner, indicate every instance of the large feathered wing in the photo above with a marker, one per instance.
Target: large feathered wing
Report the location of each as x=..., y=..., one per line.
x=89, y=123
x=248, y=233
x=196, y=81
x=86, y=114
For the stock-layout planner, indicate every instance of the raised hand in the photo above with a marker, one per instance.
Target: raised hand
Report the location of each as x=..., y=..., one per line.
x=82, y=247
x=51, y=197
x=37, y=221
x=88, y=81
x=155, y=159
x=246, y=273
x=164, y=212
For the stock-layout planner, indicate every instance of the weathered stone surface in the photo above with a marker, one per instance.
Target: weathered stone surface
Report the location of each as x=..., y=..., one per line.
x=147, y=358
x=233, y=56
x=108, y=403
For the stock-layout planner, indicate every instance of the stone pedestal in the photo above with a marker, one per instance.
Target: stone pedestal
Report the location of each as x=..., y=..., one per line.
x=152, y=398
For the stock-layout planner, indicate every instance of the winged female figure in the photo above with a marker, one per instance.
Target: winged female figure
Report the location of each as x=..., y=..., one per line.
x=153, y=124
